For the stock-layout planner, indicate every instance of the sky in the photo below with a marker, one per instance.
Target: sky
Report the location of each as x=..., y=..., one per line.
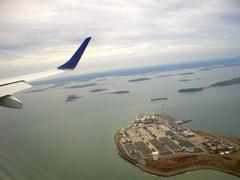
x=41, y=34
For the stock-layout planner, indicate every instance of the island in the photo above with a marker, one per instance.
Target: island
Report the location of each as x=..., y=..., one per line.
x=101, y=79
x=81, y=86
x=217, y=84
x=139, y=79
x=184, y=80
x=233, y=64
x=45, y=89
x=190, y=90
x=186, y=73
x=97, y=90
x=227, y=82
x=72, y=97
x=120, y=92
x=165, y=75
x=36, y=90
x=159, y=99
x=159, y=144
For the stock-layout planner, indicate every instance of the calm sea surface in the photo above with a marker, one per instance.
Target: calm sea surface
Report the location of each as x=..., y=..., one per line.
x=53, y=139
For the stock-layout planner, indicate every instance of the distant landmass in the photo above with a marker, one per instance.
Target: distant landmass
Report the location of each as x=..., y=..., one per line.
x=159, y=99
x=139, y=79
x=217, y=84
x=44, y=89
x=185, y=80
x=165, y=75
x=102, y=79
x=97, y=90
x=81, y=86
x=220, y=66
x=190, y=90
x=186, y=73
x=72, y=97
x=227, y=82
x=36, y=90
x=120, y=92
x=141, y=70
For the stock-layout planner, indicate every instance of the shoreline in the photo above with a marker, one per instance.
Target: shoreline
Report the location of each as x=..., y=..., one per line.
x=186, y=170
x=196, y=167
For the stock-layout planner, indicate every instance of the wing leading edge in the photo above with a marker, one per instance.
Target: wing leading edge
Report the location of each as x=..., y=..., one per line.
x=12, y=85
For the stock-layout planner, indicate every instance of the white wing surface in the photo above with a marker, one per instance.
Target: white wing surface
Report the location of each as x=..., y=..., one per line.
x=10, y=86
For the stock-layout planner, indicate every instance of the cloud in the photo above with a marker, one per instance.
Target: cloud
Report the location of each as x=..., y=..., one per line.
x=48, y=31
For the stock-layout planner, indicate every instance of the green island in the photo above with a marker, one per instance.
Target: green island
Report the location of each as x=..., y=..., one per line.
x=160, y=145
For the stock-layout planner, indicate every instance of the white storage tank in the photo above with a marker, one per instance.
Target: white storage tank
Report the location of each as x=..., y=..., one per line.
x=155, y=155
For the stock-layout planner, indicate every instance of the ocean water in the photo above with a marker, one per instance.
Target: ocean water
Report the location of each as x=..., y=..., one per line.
x=54, y=139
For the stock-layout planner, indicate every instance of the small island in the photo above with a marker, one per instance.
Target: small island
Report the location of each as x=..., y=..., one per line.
x=159, y=144
x=184, y=80
x=159, y=99
x=120, y=92
x=45, y=89
x=81, y=86
x=72, y=97
x=139, y=79
x=165, y=75
x=186, y=73
x=190, y=90
x=231, y=64
x=97, y=90
x=217, y=84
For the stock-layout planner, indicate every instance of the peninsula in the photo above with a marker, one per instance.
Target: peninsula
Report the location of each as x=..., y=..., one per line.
x=160, y=145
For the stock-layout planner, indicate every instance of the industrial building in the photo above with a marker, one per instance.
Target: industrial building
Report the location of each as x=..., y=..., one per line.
x=153, y=136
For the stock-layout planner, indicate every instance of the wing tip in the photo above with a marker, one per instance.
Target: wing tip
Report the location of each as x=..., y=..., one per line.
x=73, y=61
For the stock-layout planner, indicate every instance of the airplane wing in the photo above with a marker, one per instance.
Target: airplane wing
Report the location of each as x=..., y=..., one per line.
x=12, y=85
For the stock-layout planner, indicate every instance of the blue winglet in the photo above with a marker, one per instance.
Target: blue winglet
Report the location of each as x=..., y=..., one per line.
x=72, y=63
